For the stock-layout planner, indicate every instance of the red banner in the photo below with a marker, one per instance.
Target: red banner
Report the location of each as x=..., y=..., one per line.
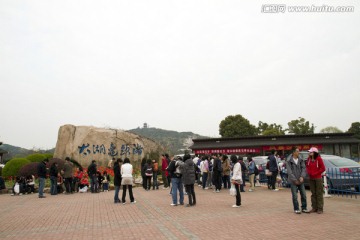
x=228, y=151
x=303, y=147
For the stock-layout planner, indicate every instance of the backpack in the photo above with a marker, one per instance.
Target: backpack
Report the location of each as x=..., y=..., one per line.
x=156, y=167
x=177, y=171
x=256, y=170
x=149, y=171
x=202, y=168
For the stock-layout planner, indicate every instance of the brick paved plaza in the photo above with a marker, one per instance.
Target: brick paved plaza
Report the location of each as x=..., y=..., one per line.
x=263, y=215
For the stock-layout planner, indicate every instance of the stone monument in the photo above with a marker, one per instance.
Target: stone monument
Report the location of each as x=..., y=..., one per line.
x=87, y=143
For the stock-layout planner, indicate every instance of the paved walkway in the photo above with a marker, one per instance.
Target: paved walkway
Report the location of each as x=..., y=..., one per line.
x=263, y=215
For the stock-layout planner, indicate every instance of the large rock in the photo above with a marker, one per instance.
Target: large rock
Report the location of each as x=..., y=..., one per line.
x=85, y=143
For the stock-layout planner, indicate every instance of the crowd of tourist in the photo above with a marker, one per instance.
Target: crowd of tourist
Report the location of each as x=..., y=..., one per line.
x=181, y=175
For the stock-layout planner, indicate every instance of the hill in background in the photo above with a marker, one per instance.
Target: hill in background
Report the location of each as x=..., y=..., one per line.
x=174, y=142
x=18, y=152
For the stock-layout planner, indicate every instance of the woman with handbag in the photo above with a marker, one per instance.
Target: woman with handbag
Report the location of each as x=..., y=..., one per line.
x=236, y=179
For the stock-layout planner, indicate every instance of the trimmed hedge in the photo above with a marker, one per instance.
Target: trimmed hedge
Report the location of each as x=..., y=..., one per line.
x=36, y=157
x=12, y=167
x=48, y=155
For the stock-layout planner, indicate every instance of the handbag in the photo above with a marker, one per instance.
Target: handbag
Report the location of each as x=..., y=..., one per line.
x=278, y=178
x=238, y=182
x=232, y=190
x=268, y=173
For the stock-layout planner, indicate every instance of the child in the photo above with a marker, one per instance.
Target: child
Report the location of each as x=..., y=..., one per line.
x=84, y=184
x=106, y=180
x=17, y=188
x=60, y=182
x=100, y=180
x=30, y=184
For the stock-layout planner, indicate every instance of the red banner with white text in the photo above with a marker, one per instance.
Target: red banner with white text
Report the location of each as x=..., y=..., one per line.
x=228, y=151
x=302, y=147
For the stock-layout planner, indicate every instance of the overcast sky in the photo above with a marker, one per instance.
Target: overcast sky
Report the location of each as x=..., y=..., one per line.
x=176, y=65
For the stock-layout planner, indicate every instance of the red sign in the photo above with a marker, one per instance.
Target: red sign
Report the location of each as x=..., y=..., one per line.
x=228, y=151
x=303, y=147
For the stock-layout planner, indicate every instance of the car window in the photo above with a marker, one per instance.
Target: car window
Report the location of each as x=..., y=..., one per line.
x=260, y=161
x=343, y=162
x=304, y=155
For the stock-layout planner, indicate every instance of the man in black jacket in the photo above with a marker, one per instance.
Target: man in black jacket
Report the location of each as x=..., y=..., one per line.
x=217, y=172
x=92, y=169
x=42, y=176
x=117, y=179
x=274, y=169
x=53, y=178
x=243, y=170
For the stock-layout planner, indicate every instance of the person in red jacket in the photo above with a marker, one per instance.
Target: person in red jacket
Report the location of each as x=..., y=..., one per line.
x=164, y=173
x=315, y=167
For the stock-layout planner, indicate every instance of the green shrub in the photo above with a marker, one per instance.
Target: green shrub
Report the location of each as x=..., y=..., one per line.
x=48, y=155
x=36, y=157
x=12, y=167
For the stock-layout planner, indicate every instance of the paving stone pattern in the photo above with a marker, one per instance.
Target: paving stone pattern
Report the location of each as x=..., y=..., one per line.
x=263, y=215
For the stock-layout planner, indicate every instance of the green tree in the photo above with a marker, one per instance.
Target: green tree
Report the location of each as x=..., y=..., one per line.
x=300, y=126
x=12, y=167
x=355, y=128
x=236, y=126
x=330, y=129
x=272, y=129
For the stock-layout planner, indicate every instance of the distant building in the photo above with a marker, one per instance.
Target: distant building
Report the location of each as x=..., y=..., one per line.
x=145, y=125
x=341, y=144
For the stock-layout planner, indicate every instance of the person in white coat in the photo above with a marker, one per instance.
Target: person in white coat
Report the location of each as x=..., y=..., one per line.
x=236, y=179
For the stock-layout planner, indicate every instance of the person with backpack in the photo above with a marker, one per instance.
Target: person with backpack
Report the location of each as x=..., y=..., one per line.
x=148, y=172
x=188, y=178
x=176, y=182
x=204, y=166
x=155, y=166
x=226, y=171
x=197, y=169
x=252, y=167
x=296, y=169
